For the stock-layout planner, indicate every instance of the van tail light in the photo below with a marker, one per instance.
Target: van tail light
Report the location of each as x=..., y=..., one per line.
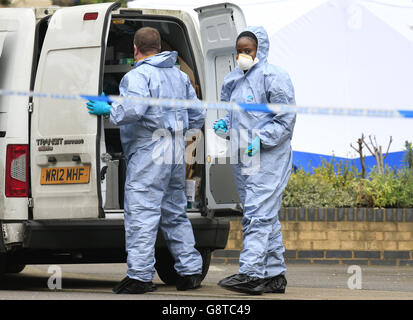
x=17, y=170
x=90, y=16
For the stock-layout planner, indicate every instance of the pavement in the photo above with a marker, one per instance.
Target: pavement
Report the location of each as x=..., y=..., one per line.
x=305, y=282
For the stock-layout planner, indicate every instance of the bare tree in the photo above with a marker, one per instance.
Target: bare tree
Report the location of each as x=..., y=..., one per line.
x=408, y=158
x=359, y=150
x=377, y=152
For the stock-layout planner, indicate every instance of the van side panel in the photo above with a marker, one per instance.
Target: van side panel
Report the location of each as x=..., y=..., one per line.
x=17, y=27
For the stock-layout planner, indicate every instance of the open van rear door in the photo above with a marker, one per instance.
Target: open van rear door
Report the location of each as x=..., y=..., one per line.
x=220, y=25
x=65, y=139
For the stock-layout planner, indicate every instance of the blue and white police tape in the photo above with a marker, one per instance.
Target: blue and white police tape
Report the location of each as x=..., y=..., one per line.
x=228, y=106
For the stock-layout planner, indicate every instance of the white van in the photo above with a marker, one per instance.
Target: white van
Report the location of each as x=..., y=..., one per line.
x=62, y=170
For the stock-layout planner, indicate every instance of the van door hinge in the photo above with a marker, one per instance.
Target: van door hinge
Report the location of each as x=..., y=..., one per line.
x=106, y=157
x=30, y=202
x=30, y=107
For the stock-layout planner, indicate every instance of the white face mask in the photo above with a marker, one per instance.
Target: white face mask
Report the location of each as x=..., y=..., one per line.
x=245, y=61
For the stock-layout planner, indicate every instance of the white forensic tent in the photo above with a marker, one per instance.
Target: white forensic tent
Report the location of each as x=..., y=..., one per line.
x=339, y=53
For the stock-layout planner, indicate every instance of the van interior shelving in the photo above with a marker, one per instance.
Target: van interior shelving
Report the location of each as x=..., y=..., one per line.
x=118, y=61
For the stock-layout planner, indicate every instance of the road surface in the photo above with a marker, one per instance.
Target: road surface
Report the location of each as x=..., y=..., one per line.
x=319, y=282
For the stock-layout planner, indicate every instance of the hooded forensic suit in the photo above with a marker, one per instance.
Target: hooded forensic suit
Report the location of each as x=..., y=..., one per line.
x=155, y=192
x=260, y=190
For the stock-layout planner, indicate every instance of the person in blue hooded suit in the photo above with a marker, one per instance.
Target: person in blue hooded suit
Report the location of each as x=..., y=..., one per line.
x=154, y=192
x=262, y=267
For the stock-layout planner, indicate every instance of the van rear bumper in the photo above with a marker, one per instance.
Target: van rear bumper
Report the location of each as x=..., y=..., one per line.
x=110, y=234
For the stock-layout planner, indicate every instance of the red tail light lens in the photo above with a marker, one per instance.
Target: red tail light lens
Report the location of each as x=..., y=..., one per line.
x=90, y=16
x=17, y=170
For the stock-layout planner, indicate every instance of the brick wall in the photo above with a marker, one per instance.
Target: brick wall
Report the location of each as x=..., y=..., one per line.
x=337, y=236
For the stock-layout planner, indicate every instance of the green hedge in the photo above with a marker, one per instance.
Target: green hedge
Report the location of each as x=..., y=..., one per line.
x=336, y=184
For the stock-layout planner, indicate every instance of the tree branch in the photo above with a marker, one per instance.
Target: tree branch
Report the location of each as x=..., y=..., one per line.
x=365, y=143
x=358, y=150
x=388, y=147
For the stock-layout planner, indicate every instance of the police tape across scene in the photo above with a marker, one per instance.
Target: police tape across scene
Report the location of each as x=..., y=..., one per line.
x=228, y=106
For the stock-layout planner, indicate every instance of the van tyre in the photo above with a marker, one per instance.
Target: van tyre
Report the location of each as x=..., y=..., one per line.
x=165, y=265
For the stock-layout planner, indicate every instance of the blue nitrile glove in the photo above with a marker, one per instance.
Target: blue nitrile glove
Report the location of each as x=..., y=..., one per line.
x=99, y=108
x=220, y=127
x=254, y=147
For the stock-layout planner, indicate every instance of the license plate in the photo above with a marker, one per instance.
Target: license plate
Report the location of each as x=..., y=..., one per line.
x=65, y=175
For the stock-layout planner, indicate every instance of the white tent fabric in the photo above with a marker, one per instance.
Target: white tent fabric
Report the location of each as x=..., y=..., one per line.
x=339, y=53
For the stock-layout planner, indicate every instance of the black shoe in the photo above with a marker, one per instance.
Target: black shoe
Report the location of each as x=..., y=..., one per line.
x=244, y=284
x=232, y=280
x=133, y=286
x=276, y=284
x=189, y=282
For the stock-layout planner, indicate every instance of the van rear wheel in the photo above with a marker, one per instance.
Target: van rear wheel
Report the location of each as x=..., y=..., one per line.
x=165, y=265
